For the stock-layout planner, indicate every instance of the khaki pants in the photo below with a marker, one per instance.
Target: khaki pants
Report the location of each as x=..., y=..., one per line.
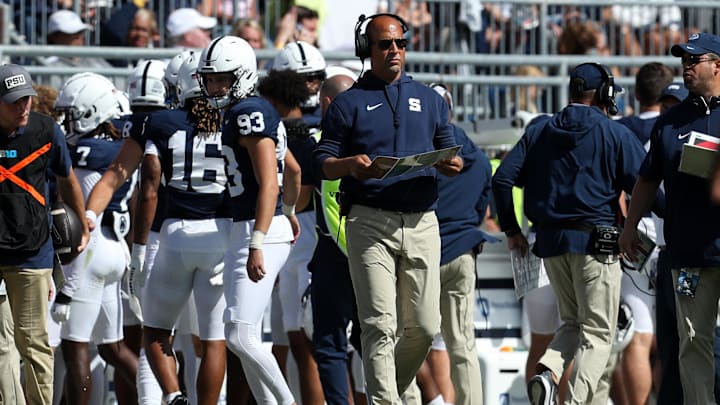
x=395, y=269
x=588, y=294
x=28, y=291
x=11, y=391
x=457, y=302
x=696, y=329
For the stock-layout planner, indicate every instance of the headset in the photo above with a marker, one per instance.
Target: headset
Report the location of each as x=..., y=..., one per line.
x=362, y=43
x=606, y=92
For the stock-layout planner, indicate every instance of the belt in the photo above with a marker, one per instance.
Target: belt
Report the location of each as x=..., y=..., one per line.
x=568, y=225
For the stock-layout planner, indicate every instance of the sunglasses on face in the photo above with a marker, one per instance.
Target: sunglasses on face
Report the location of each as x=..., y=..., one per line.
x=385, y=44
x=692, y=60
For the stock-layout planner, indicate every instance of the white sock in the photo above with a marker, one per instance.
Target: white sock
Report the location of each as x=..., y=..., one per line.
x=438, y=400
x=169, y=397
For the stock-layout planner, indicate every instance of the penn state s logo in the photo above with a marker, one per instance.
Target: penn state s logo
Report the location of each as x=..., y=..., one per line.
x=415, y=104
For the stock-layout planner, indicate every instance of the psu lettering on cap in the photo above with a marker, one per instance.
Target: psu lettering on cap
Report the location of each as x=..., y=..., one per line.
x=14, y=81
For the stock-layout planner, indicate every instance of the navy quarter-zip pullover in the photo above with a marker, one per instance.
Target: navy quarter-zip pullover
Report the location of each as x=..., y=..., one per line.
x=378, y=119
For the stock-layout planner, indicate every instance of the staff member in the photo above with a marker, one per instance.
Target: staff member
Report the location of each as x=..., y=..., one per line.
x=573, y=168
x=392, y=232
x=692, y=224
x=31, y=143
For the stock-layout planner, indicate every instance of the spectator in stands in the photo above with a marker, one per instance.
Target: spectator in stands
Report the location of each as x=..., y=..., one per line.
x=586, y=38
x=582, y=38
x=130, y=26
x=67, y=28
x=251, y=31
x=509, y=28
x=419, y=19
x=187, y=28
x=643, y=29
x=524, y=97
x=298, y=24
x=225, y=11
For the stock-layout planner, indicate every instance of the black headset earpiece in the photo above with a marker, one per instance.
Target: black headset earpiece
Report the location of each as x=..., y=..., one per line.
x=606, y=92
x=607, y=89
x=362, y=43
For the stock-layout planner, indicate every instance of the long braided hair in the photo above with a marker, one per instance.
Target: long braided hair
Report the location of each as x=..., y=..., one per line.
x=208, y=118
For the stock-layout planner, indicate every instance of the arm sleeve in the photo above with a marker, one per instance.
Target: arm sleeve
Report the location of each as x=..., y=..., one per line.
x=486, y=195
x=332, y=144
x=651, y=167
x=632, y=154
x=444, y=133
x=506, y=176
x=60, y=161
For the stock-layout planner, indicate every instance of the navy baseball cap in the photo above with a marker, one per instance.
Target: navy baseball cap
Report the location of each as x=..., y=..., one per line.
x=592, y=76
x=15, y=83
x=675, y=90
x=698, y=44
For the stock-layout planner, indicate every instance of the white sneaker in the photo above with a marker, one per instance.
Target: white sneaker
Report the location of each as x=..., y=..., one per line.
x=542, y=390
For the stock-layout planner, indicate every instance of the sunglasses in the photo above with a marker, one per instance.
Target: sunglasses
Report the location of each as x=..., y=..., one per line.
x=692, y=60
x=385, y=44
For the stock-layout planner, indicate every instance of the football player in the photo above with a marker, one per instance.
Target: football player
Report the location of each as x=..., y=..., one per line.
x=194, y=234
x=307, y=60
x=287, y=92
x=254, y=144
x=89, y=102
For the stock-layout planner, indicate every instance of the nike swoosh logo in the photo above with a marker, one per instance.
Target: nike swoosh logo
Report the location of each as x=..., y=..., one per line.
x=372, y=107
x=681, y=136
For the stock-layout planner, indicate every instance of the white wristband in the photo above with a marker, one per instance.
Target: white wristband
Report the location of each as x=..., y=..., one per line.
x=288, y=210
x=257, y=239
x=139, y=249
x=92, y=215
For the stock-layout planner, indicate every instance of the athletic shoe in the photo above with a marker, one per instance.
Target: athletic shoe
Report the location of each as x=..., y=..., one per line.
x=180, y=400
x=542, y=390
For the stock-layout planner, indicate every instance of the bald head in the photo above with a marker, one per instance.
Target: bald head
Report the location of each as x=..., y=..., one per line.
x=332, y=87
x=382, y=23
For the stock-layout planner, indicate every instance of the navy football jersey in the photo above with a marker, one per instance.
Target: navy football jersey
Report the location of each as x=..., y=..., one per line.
x=253, y=116
x=193, y=167
x=95, y=154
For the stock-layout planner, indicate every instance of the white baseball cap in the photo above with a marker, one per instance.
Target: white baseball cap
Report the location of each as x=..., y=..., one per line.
x=67, y=22
x=183, y=20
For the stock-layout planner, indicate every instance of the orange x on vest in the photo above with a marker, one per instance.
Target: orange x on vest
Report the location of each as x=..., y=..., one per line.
x=9, y=174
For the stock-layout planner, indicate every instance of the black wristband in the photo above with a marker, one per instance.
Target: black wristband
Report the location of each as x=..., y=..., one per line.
x=61, y=298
